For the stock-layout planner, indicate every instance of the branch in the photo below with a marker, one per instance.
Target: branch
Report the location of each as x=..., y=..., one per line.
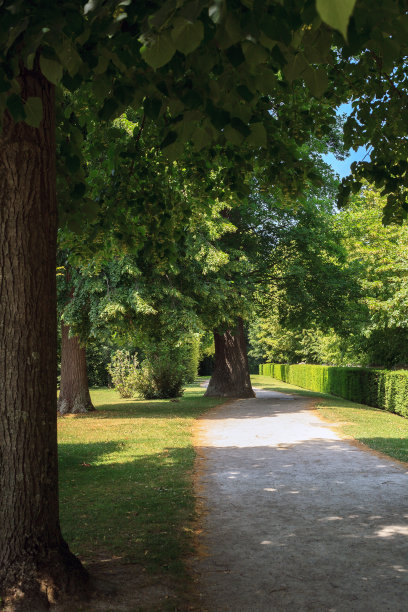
x=378, y=61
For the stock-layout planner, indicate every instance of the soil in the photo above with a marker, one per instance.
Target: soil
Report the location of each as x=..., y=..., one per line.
x=123, y=587
x=294, y=517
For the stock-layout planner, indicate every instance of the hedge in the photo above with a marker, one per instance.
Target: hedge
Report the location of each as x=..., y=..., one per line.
x=379, y=388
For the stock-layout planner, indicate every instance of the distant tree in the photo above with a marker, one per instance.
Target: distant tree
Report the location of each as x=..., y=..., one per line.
x=381, y=258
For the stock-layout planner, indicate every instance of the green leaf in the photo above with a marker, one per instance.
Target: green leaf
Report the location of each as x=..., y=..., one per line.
x=233, y=136
x=216, y=11
x=245, y=93
x=159, y=52
x=317, y=81
x=336, y=13
x=266, y=81
x=276, y=29
x=108, y=110
x=174, y=151
x=235, y=55
x=316, y=45
x=186, y=35
x=69, y=57
x=254, y=54
x=170, y=139
x=16, y=107
x=34, y=111
x=51, y=69
x=240, y=126
x=72, y=83
x=152, y=107
x=201, y=139
x=218, y=116
x=295, y=68
x=257, y=136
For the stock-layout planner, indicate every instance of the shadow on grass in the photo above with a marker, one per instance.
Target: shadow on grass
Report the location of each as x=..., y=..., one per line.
x=190, y=406
x=138, y=507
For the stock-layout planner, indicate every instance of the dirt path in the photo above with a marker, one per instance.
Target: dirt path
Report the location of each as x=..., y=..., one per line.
x=294, y=517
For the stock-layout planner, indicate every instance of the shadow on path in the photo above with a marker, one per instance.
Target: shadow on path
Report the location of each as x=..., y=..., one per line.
x=296, y=518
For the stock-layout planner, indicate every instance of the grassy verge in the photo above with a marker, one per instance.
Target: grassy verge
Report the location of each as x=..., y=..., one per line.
x=378, y=429
x=125, y=480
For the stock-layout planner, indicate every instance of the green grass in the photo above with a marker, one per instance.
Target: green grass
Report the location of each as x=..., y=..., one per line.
x=380, y=430
x=126, y=479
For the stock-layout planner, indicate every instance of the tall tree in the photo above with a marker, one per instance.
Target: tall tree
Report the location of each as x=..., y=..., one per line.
x=35, y=562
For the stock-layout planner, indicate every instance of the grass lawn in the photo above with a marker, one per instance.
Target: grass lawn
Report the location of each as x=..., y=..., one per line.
x=378, y=429
x=126, y=480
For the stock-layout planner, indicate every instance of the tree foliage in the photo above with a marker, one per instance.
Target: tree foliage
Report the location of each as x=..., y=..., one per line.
x=372, y=329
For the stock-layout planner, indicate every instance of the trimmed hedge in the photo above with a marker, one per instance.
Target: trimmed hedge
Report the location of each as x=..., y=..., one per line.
x=379, y=388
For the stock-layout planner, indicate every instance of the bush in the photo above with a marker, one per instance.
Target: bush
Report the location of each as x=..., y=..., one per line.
x=383, y=389
x=124, y=372
x=164, y=372
x=145, y=385
x=167, y=370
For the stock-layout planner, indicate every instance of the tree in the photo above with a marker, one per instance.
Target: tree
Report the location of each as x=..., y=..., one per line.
x=305, y=283
x=372, y=326
x=213, y=74
x=231, y=372
x=379, y=255
x=74, y=394
x=29, y=475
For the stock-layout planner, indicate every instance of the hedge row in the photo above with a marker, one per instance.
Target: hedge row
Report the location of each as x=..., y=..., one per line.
x=379, y=388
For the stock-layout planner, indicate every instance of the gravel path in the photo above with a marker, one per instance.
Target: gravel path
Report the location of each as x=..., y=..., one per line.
x=294, y=517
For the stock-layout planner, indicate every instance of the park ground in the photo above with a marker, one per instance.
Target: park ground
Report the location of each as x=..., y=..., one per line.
x=127, y=474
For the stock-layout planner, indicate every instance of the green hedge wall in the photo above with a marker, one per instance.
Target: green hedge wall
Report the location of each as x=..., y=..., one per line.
x=379, y=388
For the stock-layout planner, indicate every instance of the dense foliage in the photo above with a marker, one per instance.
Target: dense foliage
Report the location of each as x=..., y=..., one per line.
x=162, y=374
x=372, y=326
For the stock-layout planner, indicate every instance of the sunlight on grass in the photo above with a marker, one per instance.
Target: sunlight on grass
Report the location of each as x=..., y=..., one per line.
x=378, y=429
x=126, y=478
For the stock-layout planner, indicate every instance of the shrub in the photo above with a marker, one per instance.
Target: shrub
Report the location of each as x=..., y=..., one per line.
x=123, y=369
x=161, y=375
x=145, y=385
x=383, y=389
x=166, y=370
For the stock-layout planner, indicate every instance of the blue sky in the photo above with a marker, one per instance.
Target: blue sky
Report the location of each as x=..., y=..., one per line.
x=343, y=167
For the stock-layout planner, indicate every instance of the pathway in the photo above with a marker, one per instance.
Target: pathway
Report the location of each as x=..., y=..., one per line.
x=294, y=517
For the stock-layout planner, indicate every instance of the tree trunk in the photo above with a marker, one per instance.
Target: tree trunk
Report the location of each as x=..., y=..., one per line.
x=231, y=373
x=74, y=395
x=35, y=562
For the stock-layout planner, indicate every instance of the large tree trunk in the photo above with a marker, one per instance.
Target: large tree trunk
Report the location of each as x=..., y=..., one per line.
x=35, y=562
x=74, y=395
x=231, y=373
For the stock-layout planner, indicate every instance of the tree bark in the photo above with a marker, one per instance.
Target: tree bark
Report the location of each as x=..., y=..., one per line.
x=35, y=562
x=74, y=395
x=231, y=372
